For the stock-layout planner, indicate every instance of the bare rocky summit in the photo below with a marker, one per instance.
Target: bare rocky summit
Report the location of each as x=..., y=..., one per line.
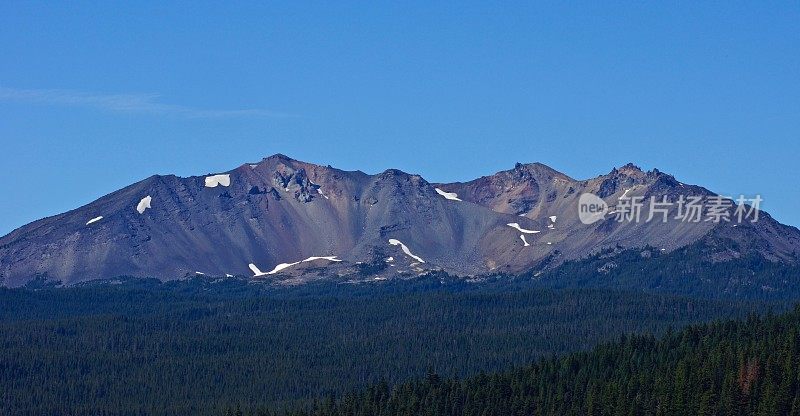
x=293, y=222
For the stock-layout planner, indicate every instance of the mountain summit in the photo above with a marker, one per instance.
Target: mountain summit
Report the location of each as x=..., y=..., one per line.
x=294, y=221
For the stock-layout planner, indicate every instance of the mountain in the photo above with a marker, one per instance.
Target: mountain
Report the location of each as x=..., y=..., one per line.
x=536, y=191
x=289, y=221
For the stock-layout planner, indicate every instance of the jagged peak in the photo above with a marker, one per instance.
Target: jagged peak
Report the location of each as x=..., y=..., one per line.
x=394, y=172
x=400, y=177
x=277, y=157
x=389, y=173
x=630, y=168
x=538, y=169
x=280, y=156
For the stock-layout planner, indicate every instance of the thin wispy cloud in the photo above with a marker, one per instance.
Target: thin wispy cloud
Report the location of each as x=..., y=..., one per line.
x=127, y=103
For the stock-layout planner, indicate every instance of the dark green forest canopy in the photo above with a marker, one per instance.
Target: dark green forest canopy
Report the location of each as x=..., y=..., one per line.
x=747, y=367
x=143, y=347
x=204, y=344
x=686, y=271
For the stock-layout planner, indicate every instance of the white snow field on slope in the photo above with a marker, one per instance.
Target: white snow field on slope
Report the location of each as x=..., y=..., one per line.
x=405, y=249
x=214, y=180
x=257, y=272
x=522, y=236
x=447, y=195
x=516, y=226
x=281, y=267
x=625, y=192
x=329, y=258
x=143, y=204
x=93, y=220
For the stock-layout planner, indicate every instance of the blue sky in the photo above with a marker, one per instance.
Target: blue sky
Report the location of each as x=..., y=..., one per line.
x=95, y=96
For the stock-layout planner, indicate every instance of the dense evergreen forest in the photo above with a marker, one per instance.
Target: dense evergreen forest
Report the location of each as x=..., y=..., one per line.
x=686, y=271
x=203, y=346
x=748, y=367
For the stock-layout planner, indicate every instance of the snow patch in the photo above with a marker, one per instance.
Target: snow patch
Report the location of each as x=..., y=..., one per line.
x=522, y=236
x=143, y=204
x=93, y=220
x=199, y=273
x=553, y=218
x=329, y=258
x=228, y=275
x=389, y=259
x=628, y=190
x=447, y=195
x=281, y=267
x=405, y=249
x=320, y=192
x=520, y=229
x=257, y=272
x=214, y=180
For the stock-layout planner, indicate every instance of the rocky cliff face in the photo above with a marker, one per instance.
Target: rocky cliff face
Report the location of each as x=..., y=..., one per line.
x=295, y=221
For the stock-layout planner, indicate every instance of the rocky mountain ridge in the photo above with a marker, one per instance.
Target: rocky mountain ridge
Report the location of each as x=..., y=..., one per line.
x=293, y=222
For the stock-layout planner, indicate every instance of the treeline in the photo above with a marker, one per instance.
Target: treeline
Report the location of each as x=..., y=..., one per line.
x=193, y=349
x=748, y=367
x=687, y=271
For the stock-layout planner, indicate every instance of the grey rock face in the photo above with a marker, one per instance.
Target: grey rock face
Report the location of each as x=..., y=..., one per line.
x=283, y=211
